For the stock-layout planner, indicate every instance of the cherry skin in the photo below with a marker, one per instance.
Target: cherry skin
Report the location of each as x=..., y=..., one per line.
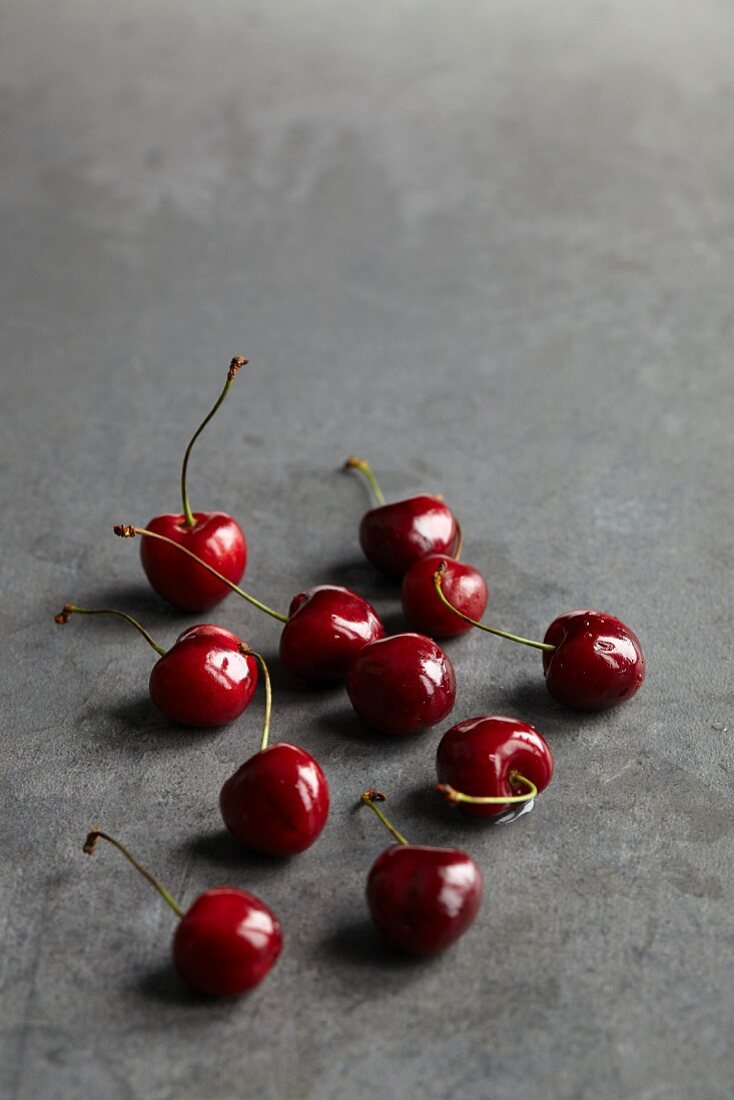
x=204, y=679
x=226, y=942
x=597, y=663
x=277, y=802
x=327, y=626
x=463, y=585
x=401, y=684
x=216, y=538
x=422, y=899
x=395, y=535
x=480, y=755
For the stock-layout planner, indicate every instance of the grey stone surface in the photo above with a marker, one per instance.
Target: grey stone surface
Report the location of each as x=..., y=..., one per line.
x=488, y=245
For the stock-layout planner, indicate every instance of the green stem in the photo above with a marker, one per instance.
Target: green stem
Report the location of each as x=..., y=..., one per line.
x=247, y=652
x=364, y=468
x=91, y=843
x=127, y=531
x=72, y=609
x=234, y=366
x=372, y=796
x=491, y=800
x=437, y=579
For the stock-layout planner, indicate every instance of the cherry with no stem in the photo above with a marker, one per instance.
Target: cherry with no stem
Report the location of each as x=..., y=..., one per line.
x=207, y=677
x=225, y=943
x=277, y=802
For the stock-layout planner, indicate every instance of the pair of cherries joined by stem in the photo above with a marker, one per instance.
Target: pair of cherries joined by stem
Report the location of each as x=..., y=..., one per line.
x=591, y=660
x=225, y=943
x=207, y=677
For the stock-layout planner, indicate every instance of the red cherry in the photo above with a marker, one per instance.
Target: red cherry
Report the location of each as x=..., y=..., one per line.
x=207, y=677
x=327, y=626
x=464, y=587
x=597, y=661
x=214, y=537
x=401, y=684
x=393, y=536
x=225, y=943
x=492, y=758
x=278, y=801
x=421, y=899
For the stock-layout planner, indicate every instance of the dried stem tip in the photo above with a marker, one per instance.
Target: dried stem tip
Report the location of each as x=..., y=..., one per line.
x=373, y=795
x=124, y=530
x=234, y=366
x=64, y=614
x=90, y=844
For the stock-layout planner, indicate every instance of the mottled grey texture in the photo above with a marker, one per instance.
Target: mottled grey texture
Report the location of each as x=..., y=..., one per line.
x=488, y=245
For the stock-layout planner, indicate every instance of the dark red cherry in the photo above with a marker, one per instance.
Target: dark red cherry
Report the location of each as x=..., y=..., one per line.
x=490, y=757
x=393, y=536
x=597, y=662
x=327, y=626
x=401, y=684
x=463, y=585
x=226, y=942
x=215, y=538
x=277, y=802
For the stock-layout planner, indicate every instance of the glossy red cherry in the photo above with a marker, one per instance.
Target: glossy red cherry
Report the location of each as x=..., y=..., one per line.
x=278, y=801
x=326, y=627
x=401, y=684
x=206, y=678
x=393, y=536
x=463, y=585
x=215, y=537
x=492, y=758
x=225, y=943
x=421, y=899
x=591, y=660
x=597, y=661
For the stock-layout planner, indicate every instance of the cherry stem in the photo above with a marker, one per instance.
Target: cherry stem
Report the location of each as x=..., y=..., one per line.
x=438, y=578
x=90, y=845
x=364, y=468
x=247, y=652
x=234, y=366
x=127, y=531
x=491, y=800
x=373, y=796
x=71, y=609
x=459, y=544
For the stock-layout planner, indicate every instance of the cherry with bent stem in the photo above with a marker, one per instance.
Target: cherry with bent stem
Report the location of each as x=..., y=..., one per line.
x=277, y=802
x=324, y=629
x=206, y=678
x=591, y=660
x=421, y=899
x=214, y=536
x=225, y=943
x=395, y=535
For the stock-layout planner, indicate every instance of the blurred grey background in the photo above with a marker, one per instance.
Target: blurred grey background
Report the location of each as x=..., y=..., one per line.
x=489, y=246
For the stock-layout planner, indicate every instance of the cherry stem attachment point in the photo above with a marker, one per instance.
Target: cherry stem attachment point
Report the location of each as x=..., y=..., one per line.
x=90, y=845
x=247, y=652
x=364, y=468
x=370, y=798
x=234, y=366
x=491, y=800
x=128, y=531
x=437, y=581
x=70, y=609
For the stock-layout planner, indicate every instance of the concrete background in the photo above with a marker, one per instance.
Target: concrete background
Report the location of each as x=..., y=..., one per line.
x=488, y=245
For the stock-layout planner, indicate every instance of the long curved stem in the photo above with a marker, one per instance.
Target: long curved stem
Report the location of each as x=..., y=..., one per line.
x=71, y=609
x=128, y=531
x=91, y=843
x=369, y=798
x=234, y=366
x=437, y=579
x=491, y=800
x=247, y=652
x=364, y=468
